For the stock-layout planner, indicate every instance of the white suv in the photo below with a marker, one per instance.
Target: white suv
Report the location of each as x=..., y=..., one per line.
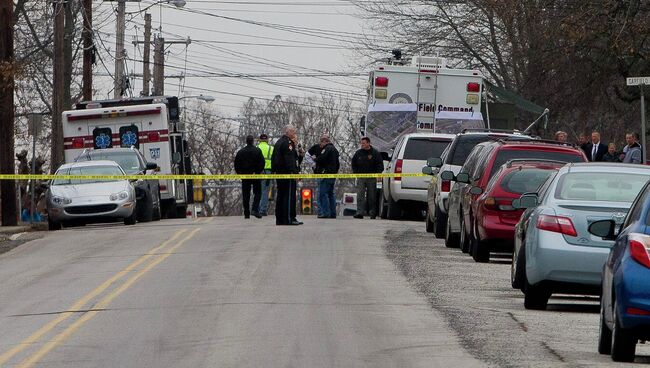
x=409, y=194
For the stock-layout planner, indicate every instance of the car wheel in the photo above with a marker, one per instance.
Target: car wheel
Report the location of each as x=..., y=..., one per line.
x=605, y=334
x=394, y=212
x=623, y=342
x=439, y=223
x=517, y=269
x=383, y=211
x=464, y=242
x=157, y=212
x=479, y=250
x=145, y=210
x=53, y=225
x=451, y=239
x=131, y=219
x=535, y=297
x=429, y=224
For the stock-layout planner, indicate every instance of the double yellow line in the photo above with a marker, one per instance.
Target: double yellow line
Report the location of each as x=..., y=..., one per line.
x=156, y=255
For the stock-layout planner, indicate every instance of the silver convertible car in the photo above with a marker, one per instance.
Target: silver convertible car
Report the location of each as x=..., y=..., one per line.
x=554, y=252
x=90, y=200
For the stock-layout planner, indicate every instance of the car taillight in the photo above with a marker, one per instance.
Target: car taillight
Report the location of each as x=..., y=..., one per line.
x=637, y=312
x=498, y=204
x=381, y=82
x=398, y=169
x=78, y=142
x=445, y=186
x=639, y=244
x=473, y=87
x=556, y=224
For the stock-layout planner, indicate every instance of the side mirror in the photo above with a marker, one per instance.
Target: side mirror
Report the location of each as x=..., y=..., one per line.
x=152, y=166
x=605, y=229
x=528, y=200
x=447, y=175
x=463, y=178
x=434, y=162
x=475, y=190
x=385, y=156
x=427, y=170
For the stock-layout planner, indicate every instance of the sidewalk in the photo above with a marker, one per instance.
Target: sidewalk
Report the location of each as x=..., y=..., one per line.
x=7, y=231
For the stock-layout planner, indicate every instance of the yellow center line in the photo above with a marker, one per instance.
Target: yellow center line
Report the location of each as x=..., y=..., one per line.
x=33, y=338
x=103, y=303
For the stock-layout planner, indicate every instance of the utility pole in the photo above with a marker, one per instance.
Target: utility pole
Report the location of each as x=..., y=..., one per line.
x=9, y=210
x=159, y=67
x=88, y=50
x=146, y=73
x=118, y=86
x=58, y=95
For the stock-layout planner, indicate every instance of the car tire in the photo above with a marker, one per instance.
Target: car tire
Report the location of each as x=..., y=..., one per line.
x=145, y=210
x=623, y=342
x=517, y=269
x=53, y=225
x=463, y=242
x=157, y=211
x=383, y=211
x=479, y=250
x=605, y=334
x=535, y=297
x=429, y=226
x=451, y=239
x=394, y=212
x=131, y=219
x=439, y=223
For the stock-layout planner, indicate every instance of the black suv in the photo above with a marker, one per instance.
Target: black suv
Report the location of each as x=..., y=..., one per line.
x=147, y=192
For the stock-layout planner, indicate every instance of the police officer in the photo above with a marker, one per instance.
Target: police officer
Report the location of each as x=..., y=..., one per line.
x=367, y=160
x=286, y=160
x=249, y=160
x=267, y=152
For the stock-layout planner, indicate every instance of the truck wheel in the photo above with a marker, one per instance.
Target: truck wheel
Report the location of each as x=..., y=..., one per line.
x=383, y=211
x=394, y=212
x=439, y=223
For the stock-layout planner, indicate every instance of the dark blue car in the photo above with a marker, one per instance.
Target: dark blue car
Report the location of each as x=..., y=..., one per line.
x=625, y=302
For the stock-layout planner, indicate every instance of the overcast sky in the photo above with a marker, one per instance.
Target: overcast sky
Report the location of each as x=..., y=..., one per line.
x=264, y=43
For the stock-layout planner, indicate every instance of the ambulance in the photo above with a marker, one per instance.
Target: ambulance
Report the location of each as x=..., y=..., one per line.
x=149, y=124
x=442, y=99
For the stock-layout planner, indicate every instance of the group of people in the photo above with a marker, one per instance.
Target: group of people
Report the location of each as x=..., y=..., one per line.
x=286, y=157
x=597, y=151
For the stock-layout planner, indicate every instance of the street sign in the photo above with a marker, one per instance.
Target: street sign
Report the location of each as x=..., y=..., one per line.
x=637, y=81
x=35, y=123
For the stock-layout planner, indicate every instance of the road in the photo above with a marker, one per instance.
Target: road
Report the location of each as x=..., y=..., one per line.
x=223, y=292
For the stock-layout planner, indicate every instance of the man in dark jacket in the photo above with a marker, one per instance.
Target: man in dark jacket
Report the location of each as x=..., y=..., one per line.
x=250, y=160
x=286, y=160
x=367, y=160
x=327, y=162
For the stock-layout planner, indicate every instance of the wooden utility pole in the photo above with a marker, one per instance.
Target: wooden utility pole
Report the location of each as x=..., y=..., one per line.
x=146, y=73
x=119, y=49
x=9, y=210
x=159, y=67
x=88, y=51
x=58, y=95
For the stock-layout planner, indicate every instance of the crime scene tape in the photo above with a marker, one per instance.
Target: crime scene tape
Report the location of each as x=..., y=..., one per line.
x=207, y=177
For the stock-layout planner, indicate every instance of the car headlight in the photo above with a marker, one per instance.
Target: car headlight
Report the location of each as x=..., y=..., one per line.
x=121, y=195
x=61, y=200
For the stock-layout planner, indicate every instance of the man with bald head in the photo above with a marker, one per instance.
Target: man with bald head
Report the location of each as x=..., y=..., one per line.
x=285, y=160
x=596, y=149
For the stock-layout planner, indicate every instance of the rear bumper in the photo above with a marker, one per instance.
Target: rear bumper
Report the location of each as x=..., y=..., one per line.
x=633, y=291
x=553, y=259
x=490, y=227
x=399, y=194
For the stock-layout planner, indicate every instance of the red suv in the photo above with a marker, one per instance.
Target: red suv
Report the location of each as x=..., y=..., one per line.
x=492, y=156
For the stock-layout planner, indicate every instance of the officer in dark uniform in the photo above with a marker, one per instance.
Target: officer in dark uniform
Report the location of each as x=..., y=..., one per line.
x=286, y=160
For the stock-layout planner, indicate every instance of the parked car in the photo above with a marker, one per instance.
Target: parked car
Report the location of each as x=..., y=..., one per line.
x=409, y=194
x=133, y=163
x=554, y=252
x=479, y=169
x=625, y=301
x=452, y=159
x=82, y=201
x=495, y=217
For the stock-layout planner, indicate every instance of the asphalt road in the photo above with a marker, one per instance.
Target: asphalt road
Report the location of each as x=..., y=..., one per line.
x=221, y=292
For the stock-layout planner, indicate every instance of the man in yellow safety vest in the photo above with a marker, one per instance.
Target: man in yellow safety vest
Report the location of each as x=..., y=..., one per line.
x=267, y=151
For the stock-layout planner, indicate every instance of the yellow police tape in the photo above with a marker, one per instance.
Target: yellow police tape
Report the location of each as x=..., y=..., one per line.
x=207, y=177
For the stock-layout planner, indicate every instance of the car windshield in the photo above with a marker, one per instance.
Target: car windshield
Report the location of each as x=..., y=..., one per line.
x=524, y=180
x=423, y=148
x=466, y=143
x=128, y=161
x=87, y=170
x=600, y=186
x=506, y=155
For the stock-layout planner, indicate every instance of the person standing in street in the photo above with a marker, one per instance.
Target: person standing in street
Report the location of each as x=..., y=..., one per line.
x=595, y=149
x=367, y=160
x=286, y=160
x=632, y=152
x=582, y=143
x=327, y=162
x=267, y=152
x=249, y=160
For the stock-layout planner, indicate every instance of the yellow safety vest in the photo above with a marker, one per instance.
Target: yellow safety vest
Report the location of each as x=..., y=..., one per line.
x=267, y=151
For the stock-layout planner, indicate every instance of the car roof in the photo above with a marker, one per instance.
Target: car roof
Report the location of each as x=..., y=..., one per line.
x=89, y=163
x=534, y=143
x=114, y=149
x=602, y=167
x=430, y=135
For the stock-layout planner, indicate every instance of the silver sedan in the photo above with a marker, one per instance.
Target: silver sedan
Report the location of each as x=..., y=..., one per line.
x=554, y=252
x=89, y=200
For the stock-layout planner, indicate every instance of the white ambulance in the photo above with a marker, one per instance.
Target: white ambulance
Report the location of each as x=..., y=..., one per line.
x=150, y=124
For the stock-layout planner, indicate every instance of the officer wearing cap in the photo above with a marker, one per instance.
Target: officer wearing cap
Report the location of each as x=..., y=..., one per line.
x=267, y=152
